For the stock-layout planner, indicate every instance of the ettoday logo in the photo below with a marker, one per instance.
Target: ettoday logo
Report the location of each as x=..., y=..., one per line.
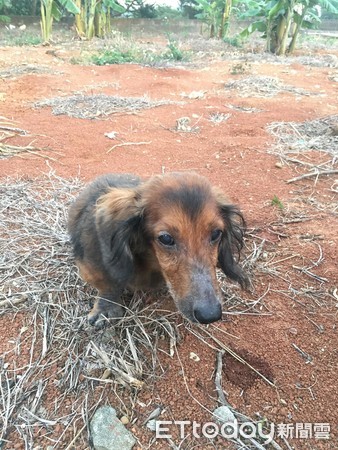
x=228, y=430
x=246, y=430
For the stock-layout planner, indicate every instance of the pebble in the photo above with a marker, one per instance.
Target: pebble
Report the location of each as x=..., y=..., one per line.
x=151, y=424
x=107, y=431
x=224, y=414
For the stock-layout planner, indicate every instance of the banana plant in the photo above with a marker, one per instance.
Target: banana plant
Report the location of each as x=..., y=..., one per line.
x=4, y=6
x=209, y=14
x=94, y=17
x=276, y=19
x=52, y=9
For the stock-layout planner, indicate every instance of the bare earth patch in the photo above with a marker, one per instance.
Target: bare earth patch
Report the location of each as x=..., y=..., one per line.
x=274, y=354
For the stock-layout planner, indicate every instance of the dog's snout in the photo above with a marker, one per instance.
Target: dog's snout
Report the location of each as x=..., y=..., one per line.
x=208, y=312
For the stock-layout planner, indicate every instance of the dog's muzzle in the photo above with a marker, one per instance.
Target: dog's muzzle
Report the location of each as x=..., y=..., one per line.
x=202, y=303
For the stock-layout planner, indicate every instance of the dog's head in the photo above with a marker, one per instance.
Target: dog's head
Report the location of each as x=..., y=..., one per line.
x=192, y=229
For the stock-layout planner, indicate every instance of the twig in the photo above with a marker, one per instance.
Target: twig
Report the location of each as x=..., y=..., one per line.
x=14, y=130
x=218, y=378
x=70, y=445
x=303, y=354
x=312, y=174
x=311, y=274
x=13, y=302
x=127, y=143
x=228, y=350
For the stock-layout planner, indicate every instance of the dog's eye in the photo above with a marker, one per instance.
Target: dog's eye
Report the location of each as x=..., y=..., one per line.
x=166, y=239
x=215, y=236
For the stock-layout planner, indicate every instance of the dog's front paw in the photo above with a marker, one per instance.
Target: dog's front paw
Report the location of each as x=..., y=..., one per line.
x=105, y=313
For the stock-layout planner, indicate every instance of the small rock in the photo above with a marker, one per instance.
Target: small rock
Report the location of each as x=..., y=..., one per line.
x=111, y=135
x=108, y=433
x=194, y=357
x=106, y=374
x=151, y=424
x=279, y=165
x=283, y=402
x=334, y=129
x=224, y=414
x=124, y=420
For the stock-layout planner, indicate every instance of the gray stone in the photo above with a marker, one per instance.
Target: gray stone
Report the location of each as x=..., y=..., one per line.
x=108, y=433
x=151, y=424
x=224, y=414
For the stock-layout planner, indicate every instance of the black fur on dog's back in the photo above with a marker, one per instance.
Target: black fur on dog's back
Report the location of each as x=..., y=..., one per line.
x=80, y=221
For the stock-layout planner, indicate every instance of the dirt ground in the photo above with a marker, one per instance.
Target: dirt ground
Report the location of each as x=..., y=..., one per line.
x=290, y=335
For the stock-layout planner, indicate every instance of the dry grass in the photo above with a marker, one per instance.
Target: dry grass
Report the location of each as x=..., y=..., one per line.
x=298, y=138
x=67, y=359
x=97, y=106
x=262, y=86
x=38, y=277
x=27, y=69
x=313, y=146
x=8, y=130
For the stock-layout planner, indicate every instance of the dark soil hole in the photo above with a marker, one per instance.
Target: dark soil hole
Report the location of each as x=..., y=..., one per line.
x=240, y=374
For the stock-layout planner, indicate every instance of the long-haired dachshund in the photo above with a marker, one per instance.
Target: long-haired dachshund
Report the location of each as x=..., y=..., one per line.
x=173, y=229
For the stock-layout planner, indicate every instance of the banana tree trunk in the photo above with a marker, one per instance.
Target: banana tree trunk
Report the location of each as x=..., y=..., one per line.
x=286, y=29
x=295, y=34
x=46, y=19
x=99, y=22
x=224, y=27
x=80, y=23
x=90, y=32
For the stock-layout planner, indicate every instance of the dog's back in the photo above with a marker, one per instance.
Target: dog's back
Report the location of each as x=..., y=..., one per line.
x=81, y=223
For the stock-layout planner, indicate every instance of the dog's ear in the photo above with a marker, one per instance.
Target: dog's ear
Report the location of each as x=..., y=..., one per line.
x=118, y=224
x=232, y=242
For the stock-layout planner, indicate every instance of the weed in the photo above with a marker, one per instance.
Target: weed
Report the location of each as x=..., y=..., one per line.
x=240, y=68
x=113, y=57
x=276, y=202
x=174, y=51
x=24, y=39
x=234, y=41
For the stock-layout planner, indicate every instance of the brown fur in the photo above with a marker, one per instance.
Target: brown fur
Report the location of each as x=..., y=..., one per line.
x=117, y=226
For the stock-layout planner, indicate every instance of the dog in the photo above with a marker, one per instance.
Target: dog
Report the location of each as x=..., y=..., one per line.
x=171, y=230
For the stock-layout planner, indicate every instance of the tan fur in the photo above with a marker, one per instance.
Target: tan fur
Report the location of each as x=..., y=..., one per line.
x=137, y=215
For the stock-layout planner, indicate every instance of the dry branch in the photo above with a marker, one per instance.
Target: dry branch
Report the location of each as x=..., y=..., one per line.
x=312, y=174
x=126, y=144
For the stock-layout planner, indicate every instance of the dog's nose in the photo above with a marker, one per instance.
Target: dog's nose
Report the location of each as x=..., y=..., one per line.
x=208, y=313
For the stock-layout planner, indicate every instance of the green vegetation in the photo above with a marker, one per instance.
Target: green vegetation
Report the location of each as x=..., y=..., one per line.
x=5, y=5
x=174, y=52
x=279, y=19
x=24, y=39
x=234, y=41
x=113, y=57
x=53, y=9
x=216, y=14
x=276, y=202
x=123, y=51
